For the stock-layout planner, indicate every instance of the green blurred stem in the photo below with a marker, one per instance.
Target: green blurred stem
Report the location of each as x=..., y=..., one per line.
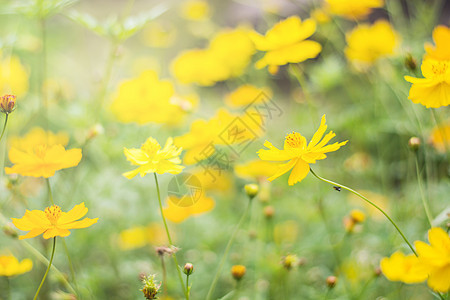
x=7, y=291
x=187, y=287
x=168, y=236
x=163, y=266
x=422, y=195
x=48, y=269
x=298, y=73
x=49, y=188
x=4, y=126
x=227, y=249
x=371, y=203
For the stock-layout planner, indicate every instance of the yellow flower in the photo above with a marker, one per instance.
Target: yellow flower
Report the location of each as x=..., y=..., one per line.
x=256, y=168
x=214, y=179
x=42, y=160
x=147, y=99
x=151, y=158
x=38, y=136
x=434, y=89
x=227, y=56
x=320, y=15
x=195, y=10
x=440, y=137
x=367, y=43
x=52, y=221
x=246, y=94
x=139, y=236
x=10, y=265
x=299, y=154
x=435, y=259
x=401, y=267
x=379, y=199
x=178, y=213
x=441, y=37
x=352, y=9
x=285, y=43
x=13, y=77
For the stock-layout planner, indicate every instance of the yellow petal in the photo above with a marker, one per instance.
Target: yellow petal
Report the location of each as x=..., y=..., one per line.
x=319, y=133
x=283, y=169
x=440, y=280
x=52, y=232
x=300, y=170
x=86, y=222
x=136, y=156
x=77, y=212
x=32, y=233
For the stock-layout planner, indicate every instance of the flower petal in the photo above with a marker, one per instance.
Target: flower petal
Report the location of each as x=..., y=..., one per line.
x=283, y=169
x=86, y=222
x=319, y=133
x=77, y=212
x=299, y=172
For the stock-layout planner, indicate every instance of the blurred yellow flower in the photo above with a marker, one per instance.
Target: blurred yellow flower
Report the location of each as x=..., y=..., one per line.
x=151, y=158
x=139, y=236
x=227, y=56
x=435, y=259
x=299, y=153
x=441, y=37
x=52, y=221
x=10, y=265
x=434, y=89
x=195, y=10
x=214, y=179
x=38, y=136
x=285, y=43
x=147, y=99
x=42, y=160
x=401, y=267
x=13, y=76
x=440, y=137
x=177, y=211
x=256, y=169
x=380, y=200
x=320, y=15
x=367, y=43
x=246, y=94
x=352, y=9
x=158, y=35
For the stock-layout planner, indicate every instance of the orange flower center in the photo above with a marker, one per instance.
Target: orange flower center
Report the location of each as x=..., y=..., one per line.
x=440, y=68
x=53, y=213
x=294, y=140
x=40, y=150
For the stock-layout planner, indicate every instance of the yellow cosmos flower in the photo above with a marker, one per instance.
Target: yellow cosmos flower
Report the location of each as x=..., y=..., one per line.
x=140, y=236
x=256, y=169
x=299, y=153
x=285, y=43
x=13, y=77
x=352, y=9
x=10, y=265
x=147, y=99
x=195, y=10
x=179, y=213
x=38, y=136
x=246, y=94
x=434, y=89
x=441, y=37
x=151, y=158
x=42, y=160
x=435, y=259
x=440, y=137
x=368, y=43
x=214, y=179
x=52, y=221
x=227, y=56
x=401, y=267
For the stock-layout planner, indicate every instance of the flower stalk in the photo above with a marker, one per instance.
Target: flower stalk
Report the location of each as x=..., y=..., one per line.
x=48, y=269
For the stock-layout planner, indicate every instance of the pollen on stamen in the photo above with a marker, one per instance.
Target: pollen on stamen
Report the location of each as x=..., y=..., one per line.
x=294, y=140
x=53, y=213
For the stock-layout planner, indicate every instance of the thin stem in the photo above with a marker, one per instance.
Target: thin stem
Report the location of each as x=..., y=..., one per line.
x=187, y=287
x=4, y=127
x=371, y=203
x=48, y=269
x=49, y=188
x=227, y=249
x=422, y=195
x=168, y=234
x=163, y=266
x=7, y=291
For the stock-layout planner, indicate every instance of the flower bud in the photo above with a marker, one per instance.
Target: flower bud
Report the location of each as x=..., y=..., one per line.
x=238, y=271
x=269, y=211
x=289, y=261
x=357, y=216
x=377, y=271
x=410, y=62
x=7, y=104
x=414, y=143
x=150, y=289
x=251, y=189
x=188, y=269
x=331, y=281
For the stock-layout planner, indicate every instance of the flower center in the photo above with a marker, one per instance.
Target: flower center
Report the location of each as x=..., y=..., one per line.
x=294, y=140
x=440, y=68
x=151, y=146
x=53, y=213
x=40, y=150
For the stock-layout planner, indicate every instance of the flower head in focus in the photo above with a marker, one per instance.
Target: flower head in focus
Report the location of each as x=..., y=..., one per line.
x=286, y=43
x=152, y=158
x=434, y=89
x=52, y=221
x=299, y=154
x=10, y=265
x=352, y=9
x=367, y=43
x=441, y=38
x=42, y=160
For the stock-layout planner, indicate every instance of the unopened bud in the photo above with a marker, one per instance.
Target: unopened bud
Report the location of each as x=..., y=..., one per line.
x=377, y=271
x=188, y=269
x=238, y=271
x=410, y=62
x=357, y=216
x=269, y=211
x=251, y=189
x=7, y=104
x=414, y=143
x=331, y=281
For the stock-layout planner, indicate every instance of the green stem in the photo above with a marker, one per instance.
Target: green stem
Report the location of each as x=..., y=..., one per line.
x=422, y=195
x=168, y=234
x=4, y=127
x=187, y=287
x=48, y=269
x=163, y=266
x=225, y=254
x=49, y=188
x=370, y=202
